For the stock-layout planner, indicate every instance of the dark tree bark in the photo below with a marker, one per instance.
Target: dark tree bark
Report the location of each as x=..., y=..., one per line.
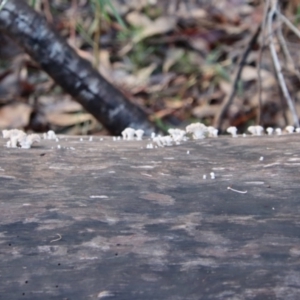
x=74, y=74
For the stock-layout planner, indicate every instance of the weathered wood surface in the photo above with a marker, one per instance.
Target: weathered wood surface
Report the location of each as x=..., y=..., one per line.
x=144, y=224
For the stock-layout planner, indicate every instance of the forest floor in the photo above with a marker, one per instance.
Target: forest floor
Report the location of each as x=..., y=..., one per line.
x=177, y=60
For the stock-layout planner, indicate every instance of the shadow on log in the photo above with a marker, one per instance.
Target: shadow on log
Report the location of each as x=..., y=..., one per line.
x=76, y=75
x=109, y=220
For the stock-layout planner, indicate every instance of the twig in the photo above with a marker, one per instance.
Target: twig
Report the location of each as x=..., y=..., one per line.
x=59, y=238
x=289, y=59
x=288, y=23
x=237, y=191
x=219, y=118
x=259, y=82
x=277, y=65
x=3, y=2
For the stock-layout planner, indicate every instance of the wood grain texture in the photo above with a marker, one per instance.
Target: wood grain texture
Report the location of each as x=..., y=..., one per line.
x=109, y=220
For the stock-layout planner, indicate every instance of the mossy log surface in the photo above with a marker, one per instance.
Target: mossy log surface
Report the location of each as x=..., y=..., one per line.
x=110, y=219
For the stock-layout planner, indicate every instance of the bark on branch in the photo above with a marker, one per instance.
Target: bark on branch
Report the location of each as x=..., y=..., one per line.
x=74, y=74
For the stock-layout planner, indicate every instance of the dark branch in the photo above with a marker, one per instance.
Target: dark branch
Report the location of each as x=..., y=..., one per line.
x=76, y=75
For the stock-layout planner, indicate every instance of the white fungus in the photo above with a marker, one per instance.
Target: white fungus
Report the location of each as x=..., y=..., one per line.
x=26, y=142
x=269, y=130
x=139, y=134
x=278, y=131
x=198, y=130
x=149, y=146
x=290, y=129
x=18, y=138
x=188, y=152
x=212, y=131
x=232, y=130
x=297, y=129
x=90, y=139
x=204, y=176
x=128, y=134
x=252, y=130
x=256, y=130
x=50, y=135
x=177, y=134
x=162, y=141
x=259, y=130
x=212, y=175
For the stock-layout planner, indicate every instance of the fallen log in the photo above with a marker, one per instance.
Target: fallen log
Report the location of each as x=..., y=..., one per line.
x=92, y=219
x=74, y=74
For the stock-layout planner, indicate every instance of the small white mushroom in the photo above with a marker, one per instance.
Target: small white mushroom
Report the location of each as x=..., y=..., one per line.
x=256, y=130
x=298, y=129
x=290, y=129
x=252, y=130
x=232, y=130
x=139, y=134
x=198, y=130
x=149, y=146
x=269, y=130
x=128, y=134
x=278, y=131
x=51, y=135
x=177, y=134
x=212, y=131
x=259, y=130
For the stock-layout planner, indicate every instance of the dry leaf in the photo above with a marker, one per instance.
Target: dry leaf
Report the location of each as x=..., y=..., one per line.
x=138, y=19
x=159, y=26
x=68, y=119
x=250, y=73
x=173, y=55
x=15, y=115
x=205, y=111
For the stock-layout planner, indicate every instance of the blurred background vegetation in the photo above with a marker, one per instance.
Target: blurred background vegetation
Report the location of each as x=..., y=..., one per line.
x=176, y=59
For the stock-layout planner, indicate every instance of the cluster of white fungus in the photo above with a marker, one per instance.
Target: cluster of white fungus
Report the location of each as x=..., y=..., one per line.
x=212, y=131
x=19, y=139
x=162, y=141
x=256, y=130
x=129, y=134
x=178, y=135
x=198, y=130
x=50, y=135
